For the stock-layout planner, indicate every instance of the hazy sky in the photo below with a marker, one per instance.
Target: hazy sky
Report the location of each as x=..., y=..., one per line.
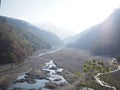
x=75, y=15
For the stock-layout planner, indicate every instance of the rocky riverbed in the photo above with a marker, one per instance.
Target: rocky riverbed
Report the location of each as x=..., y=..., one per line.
x=45, y=79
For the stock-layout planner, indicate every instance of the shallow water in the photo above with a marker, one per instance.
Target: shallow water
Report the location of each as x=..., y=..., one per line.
x=86, y=88
x=52, y=70
x=38, y=84
x=52, y=76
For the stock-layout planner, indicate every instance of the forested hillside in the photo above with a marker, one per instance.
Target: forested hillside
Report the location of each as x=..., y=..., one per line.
x=48, y=37
x=103, y=38
x=16, y=42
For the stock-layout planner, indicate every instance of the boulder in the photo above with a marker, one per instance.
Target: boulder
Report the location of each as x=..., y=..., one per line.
x=36, y=74
x=51, y=85
x=30, y=81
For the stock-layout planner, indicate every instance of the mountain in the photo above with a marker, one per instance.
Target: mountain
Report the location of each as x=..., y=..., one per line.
x=19, y=39
x=103, y=38
x=43, y=34
x=73, y=39
x=58, y=30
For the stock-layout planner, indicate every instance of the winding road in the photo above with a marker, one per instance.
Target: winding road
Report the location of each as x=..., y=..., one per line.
x=102, y=83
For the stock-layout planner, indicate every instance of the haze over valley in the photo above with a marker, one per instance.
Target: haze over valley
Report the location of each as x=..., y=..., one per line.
x=60, y=45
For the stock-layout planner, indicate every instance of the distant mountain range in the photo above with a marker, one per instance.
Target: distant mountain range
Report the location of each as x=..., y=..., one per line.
x=19, y=39
x=61, y=32
x=103, y=38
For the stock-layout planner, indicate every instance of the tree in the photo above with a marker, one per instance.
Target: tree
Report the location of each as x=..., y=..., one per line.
x=85, y=70
x=94, y=61
x=77, y=74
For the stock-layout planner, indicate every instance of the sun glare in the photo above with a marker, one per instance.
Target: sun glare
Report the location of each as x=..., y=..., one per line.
x=75, y=15
x=78, y=15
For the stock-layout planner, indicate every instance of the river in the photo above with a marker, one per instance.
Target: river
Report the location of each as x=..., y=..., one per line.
x=52, y=76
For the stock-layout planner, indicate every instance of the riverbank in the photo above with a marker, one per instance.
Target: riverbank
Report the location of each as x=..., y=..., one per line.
x=36, y=79
x=71, y=60
x=9, y=72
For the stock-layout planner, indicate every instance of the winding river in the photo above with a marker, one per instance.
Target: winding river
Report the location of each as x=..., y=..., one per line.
x=102, y=83
x=52, y=75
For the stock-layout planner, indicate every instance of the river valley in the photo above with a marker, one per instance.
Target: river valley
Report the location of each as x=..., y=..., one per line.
x=58, y=66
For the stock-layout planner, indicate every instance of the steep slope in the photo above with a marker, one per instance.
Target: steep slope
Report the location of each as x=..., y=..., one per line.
x=85, y=40
x=16, y=43
x=48, y=37
x=73, y=39
x=102, y=38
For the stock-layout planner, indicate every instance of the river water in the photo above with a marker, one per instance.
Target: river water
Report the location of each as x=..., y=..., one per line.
x=52, y=76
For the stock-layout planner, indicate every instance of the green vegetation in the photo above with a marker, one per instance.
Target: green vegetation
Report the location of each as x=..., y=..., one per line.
x=93, y=67
x=112, y=78
x=90, y=68
x=88, y=83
